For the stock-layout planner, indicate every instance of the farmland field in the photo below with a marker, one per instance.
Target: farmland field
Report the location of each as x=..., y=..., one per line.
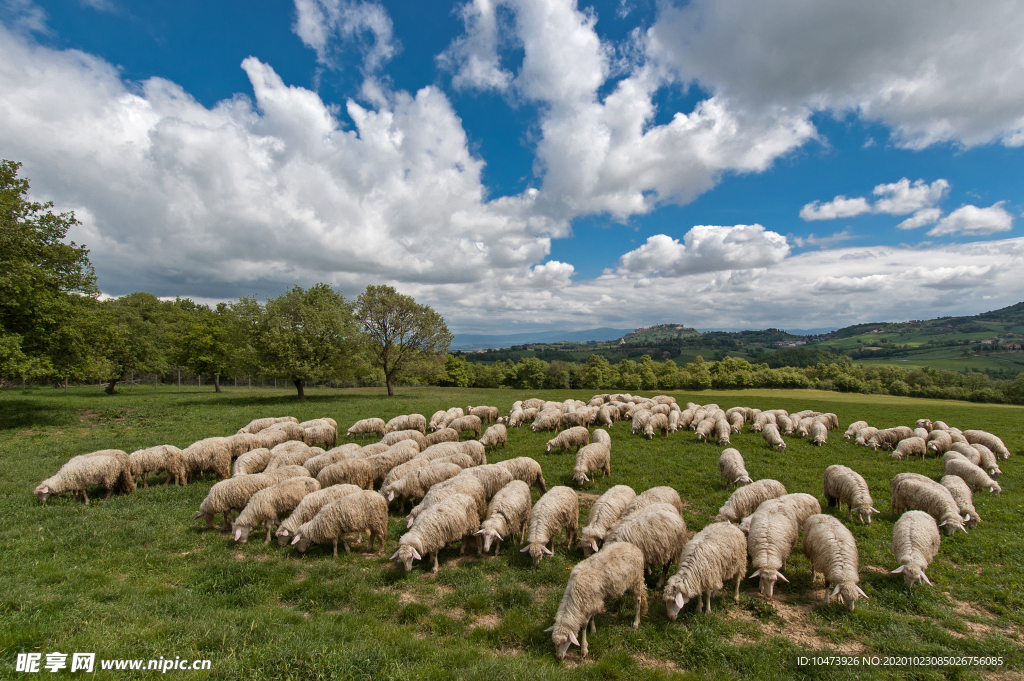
x=134, y=577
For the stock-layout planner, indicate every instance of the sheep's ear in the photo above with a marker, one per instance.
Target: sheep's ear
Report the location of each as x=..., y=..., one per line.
x=593, y=545
x=754, y=575
x=391, y=496
x=944, y=522
x=782, y=577
x=524, y=549
x=835, y=591
x=861, y=592
x=585, y=478
x=46, y=490
x=875, y=510
x=393, y=556
x=967, y=517
x=416, y=554
x=197, y=516
x=680, y=601
x=296, y=539
x=478, y=533
x=572, y=637
x=898, y=570
x=964, y=529
x=926, y=580
x=547, y=551
x=549, y=629
x=238, y=534
x=500, y=538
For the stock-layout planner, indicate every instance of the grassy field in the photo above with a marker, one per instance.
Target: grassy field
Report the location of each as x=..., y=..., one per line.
x=135, y=577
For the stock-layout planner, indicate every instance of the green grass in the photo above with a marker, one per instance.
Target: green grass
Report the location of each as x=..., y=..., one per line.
x=135, y=577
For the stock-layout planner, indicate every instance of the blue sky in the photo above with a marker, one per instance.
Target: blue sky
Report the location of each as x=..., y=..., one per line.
x=536, y=164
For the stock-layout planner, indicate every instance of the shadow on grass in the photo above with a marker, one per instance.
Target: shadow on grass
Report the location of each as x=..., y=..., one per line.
x=29, y=413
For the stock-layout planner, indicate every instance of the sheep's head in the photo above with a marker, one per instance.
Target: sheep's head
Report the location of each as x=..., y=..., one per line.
x=283, y=536
x=588, y=543
x=405, y=555
x=579, y=477
x=489, y=534
x=781, y=446
x=912, y=574
x=952, y=523
x=206, y=516
x=848, y=594
x=864, y=513
x=676, y=596
x=562, y=638
x=43, y=492
x=995, y=488
x=300, y=542
x=240, y=533
x=743, y=480
x=536, y=551
x=768, y=579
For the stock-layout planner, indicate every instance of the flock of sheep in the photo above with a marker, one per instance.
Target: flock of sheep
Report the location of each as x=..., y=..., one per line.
x=342, y=492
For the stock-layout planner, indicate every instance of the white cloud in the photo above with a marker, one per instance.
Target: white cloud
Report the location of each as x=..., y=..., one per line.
x=706, y=248
x=897, y=198
x=946, y=72
x=973, y=220
x=822, y=241
x=473, y=57
x=323, y=24
x=925, y=216
x=24, y=16
x=839, y=207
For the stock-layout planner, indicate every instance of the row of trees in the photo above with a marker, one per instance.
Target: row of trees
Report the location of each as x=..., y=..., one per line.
x=53, y=325
x=731, y=373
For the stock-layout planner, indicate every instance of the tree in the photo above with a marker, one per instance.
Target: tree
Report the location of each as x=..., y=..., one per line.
x=403, y=337
x=137, y=330
x=302, y=335
x=202, y=341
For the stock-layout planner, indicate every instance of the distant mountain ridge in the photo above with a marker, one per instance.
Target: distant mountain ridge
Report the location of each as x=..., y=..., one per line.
x=467, y=341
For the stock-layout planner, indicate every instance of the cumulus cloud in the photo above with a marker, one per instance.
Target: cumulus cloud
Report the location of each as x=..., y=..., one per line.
x=473, y=58
x=706, y=248
x=975, y=221
x=839, y=207
x=925, y=216
x=896, y=198
x=327, y=25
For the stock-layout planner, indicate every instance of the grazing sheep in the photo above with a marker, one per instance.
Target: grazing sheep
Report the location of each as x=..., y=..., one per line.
x=911, y=446
x=722, y=432
x=981, y=437
x=293, y=430
x=557, y=510
x=803, y=505
x=911, y=491
x=547, y=420
x=921, y=433
x=640, y=418
x=203, y=456
x=939, y=441
x=366, y=427
x=761, y=420
x=658, y=423
x=320, y=432
x=595, y=456
x=915, y=543
x=82, y=472
x=450, y=520
x=508, y=513
x=577, y=437
x=253, y=461
x=939, y=425
x=576, y=418
x=267, y=504
x=494, y=436
x=451, y=415
x=854, y=428
x=655, y=495
x=356, y=472
x=686, y=418
x=403, y=469
x=415, y=484
x=736, y=421
x=233, y=494
x=987, y=458
x=604, y=513
x=308, y=508
x=975, y=476
x=155, y=459
x=785, y=424
x=471, y=487
x=396, y=436
x=715, y=555
x=830, y=420
x=846, y=486
x=832, y=551
x=435, y=420
x=969, y=452
x=771, y=538
x=491, y=476
x=371, y=450
x=704, y=429
x=608, y=415
x=240, y=443
x=486, y=414
x=745, y=500
x=471, y=423
x=319, y=462
x=923, y=423
x=889, y=438
x=353, y=513
x=533, y=403
x=603, y=576
x=381, y=464
x=864, y=435
x=818, y=433
x=771, y=435
x=964, y=498
x=439, y=451
x=293, y=453
x=526, y=469
x=657, y=530
x=407, y=422
x=732, y=468
x=441, y=435
x=256, y=425
x=268, y=438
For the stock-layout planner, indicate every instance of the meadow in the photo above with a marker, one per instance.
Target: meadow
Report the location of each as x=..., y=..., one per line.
x=136, y=577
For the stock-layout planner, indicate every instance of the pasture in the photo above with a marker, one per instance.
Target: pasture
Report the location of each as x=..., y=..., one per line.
x=135, y=577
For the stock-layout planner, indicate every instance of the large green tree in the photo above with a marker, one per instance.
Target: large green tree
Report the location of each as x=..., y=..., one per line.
x=403, y=337
x=202, y=340
x=138, y=331
x=47, y=286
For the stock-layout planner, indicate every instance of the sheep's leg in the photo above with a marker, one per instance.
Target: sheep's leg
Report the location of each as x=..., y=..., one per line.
x=700, y=602
x=434, y=569
x=85, y=497
x=145, y=482
x=335, y=547
x=638, y=602
x=708, y=603
x=593, y=624
x=584, y=647
x=664, y=574
x=497, y=548
x=736, y=597
x=110, y=490
x=267, y=540
x=345, y=544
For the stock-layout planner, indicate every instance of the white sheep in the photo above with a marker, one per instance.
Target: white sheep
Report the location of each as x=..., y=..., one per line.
x=964, y=498
x=319, y=432
x=576, y=436
x=435, y=420
x=969, y=452
x=915, y=543
x=657, y=423
x=832, y=551
x=981, y=437
x=347, y=471
x=603, y=576
x=470, y=423
x=715, y=555
x=722, y=432
x=253, y=461
x=441, y=435
x=469, y=486
x=854, y=428
x=745, y=500
x=317, y=463
x=407, y=422
x=603, y=515
x=233, y=494
x=911, y=491
x=889, y=438
x=491, y=476
x=974, y=476
x=256, y=425
x=526, y=469
x=926, y=424
x=396, y=436
x=508, y=513
x=844, y=485
x=595, y=456
x=155, y=459
x=366, y=427
x=732, y=468
x=939, y=441
x=415, y=484
x=353, y=513
x=557, y=510
x=265, y=506
x=657, y=530
x=308, y=508
x=772, y=535
x=818, y=433
x=450, y=520
x=268, y=438
x=203, y=456
x=986, y=458
x=771, y=435
x=662, y=494
x=494, y=436
x=293, y=453
x=82, y=472
x=704, y=429
x=908, y=447
x=865, y=434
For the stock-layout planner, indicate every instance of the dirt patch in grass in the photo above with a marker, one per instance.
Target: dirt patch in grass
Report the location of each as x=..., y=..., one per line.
x=655, y=663
x=87, y=414
x=489, y=621
x=300, y=578
x=796, y=627
x=405, y=598
x=588, y=497
x=874, y=568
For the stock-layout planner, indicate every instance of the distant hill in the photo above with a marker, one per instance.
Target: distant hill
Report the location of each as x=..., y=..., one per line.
x=650, y=334
x=466, y=341
x=1004, y=319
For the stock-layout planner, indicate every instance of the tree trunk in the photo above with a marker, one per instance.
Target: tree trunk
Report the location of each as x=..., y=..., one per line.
x=216, y=383
x=299, y=387
x=391, y=389
x=131, y=383
x=110, y=386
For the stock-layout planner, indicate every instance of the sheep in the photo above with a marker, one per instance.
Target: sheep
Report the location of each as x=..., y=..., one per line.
x=923, y=423
x=908, y=447
x=533, y=402
x=964, y=498
x=256, y=425
x=321, y=434
x=240, y=443
x=381, y=464
x=396, y=436
x=854, y=428
x=367, y=426
x=577, y=437
x=889, y=438
x=658, y=423
x=939, y=425
x=745, y=500
x=829, y=420
x=267, y=504
x=772, y=535
x=658, y=530
x=911, y=491
x=268, y=438
x=844, y=485
x=471, y=423
x=471, y=487
x=407, y=422
x=452, y=519
x=435, y=420
x=832, y=551
x=704, y=429
x=818, y=433
x=980, y=437
x=608, y=415
x=308, y=508
x=785, y=424
x=492, y=477
x=474, y=450
x=595, y=456
x=915, y=543
x=771, y=435
x=253, y=461
x=975, y=476
x=686, y=418
x=732, y=468
x=864, y=435
x=155, y=459
x=403, y=469
x=939, y=441
x=82, y=472
x=291, y=454
x=576, y=418
x=494, y=436
x=715, y=555
x=233, y=494
x=761, y=420
x=367, y=451
x=317, y=463
x=439, y=451
x=603, y=515
x=969, y=452
x=986, y=457
x=603, y=576
x=201, y=456
x=293, y=430
x=803, y=505
x=722, y=432
x=486, y=414
x=353, y=513
x=441, y=435
x=526, y=469
x=415, y=484
x=640, y=418
x=508, y=513
x=557, y=510
x=356, y=472
x=655, y=495
x=921, y=433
